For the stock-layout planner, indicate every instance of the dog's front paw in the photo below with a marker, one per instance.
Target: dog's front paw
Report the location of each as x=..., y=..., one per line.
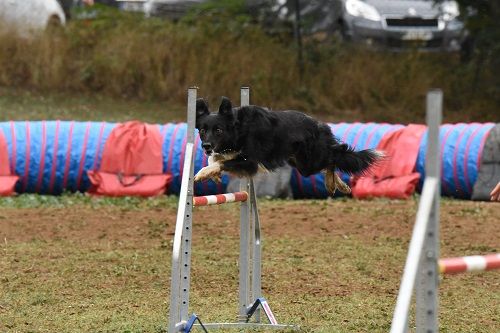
x=209, y=172
x=201, y=175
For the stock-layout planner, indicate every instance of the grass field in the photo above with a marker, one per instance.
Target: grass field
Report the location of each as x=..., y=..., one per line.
x=78, y=264
x=25, y=105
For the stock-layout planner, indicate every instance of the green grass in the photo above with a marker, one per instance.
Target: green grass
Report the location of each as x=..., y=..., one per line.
x=19, y=105
x=77, y=199
x=59, y=274
x=57, y=286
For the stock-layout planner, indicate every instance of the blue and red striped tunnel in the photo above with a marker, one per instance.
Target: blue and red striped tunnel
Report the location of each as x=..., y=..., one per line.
x=54, y=156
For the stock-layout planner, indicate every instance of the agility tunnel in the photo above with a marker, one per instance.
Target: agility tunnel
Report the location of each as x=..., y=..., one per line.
x=51, y=157
x=461, y=147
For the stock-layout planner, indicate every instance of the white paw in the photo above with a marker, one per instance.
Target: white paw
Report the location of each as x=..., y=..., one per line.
x=209, y=172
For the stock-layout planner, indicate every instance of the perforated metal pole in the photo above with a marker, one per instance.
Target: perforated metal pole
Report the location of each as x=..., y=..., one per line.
x=400, y=317
x=181, y=254
x=421, y=268
x=245, y=215
x=244, y=261
x=428, y=277
x=256, y=254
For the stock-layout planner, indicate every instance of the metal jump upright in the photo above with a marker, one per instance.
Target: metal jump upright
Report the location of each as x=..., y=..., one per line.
x=423, y=266
x=421, y=262
x=250, y=295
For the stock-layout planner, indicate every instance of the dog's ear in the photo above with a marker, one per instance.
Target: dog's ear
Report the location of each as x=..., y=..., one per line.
x=201, y=108
x=226, y=108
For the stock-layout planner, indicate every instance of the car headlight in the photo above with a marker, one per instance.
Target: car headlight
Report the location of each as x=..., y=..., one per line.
x=450, y=10
x=359, y=8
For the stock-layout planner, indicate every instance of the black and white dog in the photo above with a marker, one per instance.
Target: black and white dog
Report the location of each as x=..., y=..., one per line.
x=244, y=140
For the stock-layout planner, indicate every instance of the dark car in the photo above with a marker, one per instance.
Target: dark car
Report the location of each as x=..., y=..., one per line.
x=393, y=24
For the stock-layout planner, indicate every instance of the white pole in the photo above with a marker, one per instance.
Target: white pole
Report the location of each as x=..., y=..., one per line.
x=181, y=254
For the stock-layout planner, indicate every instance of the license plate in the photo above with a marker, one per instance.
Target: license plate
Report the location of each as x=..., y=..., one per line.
x=417, y=35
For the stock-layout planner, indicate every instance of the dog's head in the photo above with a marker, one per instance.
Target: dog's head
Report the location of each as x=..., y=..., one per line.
x=217, y=129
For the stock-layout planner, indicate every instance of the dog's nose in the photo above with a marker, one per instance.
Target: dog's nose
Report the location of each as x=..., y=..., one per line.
x=207, y=146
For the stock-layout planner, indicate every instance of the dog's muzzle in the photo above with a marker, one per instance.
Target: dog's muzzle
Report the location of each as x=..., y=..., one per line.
x=208, y=148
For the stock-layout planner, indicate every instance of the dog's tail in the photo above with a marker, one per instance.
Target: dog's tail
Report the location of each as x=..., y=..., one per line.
x=345, y=159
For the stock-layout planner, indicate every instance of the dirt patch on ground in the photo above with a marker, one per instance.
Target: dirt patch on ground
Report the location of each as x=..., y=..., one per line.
x=328, y=266
x=464, y=224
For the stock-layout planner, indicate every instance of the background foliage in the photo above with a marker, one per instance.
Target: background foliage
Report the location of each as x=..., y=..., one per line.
x=126, y=56
x=483, y=22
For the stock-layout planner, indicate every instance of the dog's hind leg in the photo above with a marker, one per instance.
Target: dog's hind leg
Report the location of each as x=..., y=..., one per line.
x=333, y=183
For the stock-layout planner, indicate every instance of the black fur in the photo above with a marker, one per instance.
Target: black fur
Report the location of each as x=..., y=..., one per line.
x=257, y=136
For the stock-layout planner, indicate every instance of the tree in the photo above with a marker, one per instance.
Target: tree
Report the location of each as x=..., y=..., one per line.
x=482, y=19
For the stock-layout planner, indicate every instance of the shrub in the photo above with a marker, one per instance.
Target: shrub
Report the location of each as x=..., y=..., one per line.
x=127, y=56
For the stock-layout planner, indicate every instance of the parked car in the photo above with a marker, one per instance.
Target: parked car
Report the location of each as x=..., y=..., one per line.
x=389, y=24
x=175, y=9
x=27, y=16
x=393, y=24
x=172, y=9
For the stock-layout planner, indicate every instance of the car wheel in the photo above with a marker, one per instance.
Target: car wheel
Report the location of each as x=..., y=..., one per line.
x=340, y=32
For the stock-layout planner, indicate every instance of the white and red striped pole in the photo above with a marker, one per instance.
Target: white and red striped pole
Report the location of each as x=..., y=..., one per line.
x=470, y=263
x=220, y=198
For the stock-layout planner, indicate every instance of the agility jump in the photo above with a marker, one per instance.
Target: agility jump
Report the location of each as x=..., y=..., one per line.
x=423, y=266
x=250, y=294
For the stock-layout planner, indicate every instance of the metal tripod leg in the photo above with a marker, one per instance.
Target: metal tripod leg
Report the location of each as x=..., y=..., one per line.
x=244, y=261
x=256, y=247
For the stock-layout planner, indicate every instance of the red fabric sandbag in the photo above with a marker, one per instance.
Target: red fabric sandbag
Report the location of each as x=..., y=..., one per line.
x=7, y=179
x=401, y=187
x=394, y=177
x=132, y=163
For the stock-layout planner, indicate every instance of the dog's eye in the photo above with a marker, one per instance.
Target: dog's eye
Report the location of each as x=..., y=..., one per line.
x=218, y=131
x=202, y=132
